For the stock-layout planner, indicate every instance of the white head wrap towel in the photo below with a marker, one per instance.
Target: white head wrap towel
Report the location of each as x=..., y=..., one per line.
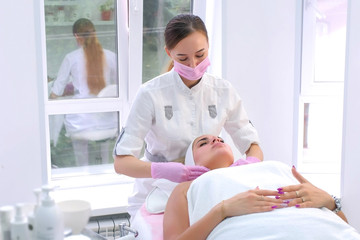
x=189, y=156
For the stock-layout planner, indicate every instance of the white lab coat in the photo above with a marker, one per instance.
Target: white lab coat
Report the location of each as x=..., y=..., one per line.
x=169, y=115
x=73, y=69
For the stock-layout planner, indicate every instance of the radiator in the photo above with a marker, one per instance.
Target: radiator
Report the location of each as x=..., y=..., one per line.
x=108, y=226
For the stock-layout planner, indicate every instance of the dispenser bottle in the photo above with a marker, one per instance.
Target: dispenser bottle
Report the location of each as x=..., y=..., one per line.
x=48, y=218
x=6, y=213
x=31, y=216
x=19, y=226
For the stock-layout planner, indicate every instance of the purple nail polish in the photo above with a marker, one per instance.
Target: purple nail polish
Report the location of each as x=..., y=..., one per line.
x=279, y=189
x=286, y=201
x=297, y=205
x=274, y=206
x=280, y=192
x=277, y=197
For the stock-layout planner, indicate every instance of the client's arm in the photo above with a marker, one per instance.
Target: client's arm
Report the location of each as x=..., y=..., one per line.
x=176, y=216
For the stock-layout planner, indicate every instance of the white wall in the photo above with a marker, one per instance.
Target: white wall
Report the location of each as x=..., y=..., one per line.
x=259, y=59
x=351, y=131
x=20, y=128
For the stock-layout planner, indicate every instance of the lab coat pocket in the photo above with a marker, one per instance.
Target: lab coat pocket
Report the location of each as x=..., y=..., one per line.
x=172, y=125
x=214, y=120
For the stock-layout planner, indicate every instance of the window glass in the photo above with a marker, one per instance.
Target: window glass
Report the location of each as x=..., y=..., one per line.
x=82, y=139
x=330, y=40
x=80, y=47
x=82, y=84
x=323, y=131
x=157, y=14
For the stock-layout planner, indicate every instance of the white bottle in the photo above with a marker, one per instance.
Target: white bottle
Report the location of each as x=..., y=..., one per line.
x=49, y=223
x=19, y=226
x=31, y=216
x=6, y=213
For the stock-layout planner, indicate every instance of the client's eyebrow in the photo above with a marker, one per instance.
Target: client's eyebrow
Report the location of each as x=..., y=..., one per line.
x=205, y=139
x=202, y=139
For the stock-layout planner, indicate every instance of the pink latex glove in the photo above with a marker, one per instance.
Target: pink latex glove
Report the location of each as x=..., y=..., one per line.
x=248, y=160
x=176, y=172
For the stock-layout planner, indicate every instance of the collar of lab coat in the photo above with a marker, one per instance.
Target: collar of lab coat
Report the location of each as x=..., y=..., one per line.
x=184, y=88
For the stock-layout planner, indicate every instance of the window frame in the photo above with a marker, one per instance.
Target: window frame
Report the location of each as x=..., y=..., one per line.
x=308, y=86
x=318, y=172
x=306, y=165
x=118, y=104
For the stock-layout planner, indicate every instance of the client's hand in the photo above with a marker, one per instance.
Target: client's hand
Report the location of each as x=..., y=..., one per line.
x=305, y=194
x=252, y=201
x=176, y=172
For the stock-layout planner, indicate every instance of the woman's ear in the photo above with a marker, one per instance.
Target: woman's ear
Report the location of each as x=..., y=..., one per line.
x=167, y=51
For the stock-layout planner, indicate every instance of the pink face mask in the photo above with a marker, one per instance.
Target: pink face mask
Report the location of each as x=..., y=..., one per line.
x=192, y=73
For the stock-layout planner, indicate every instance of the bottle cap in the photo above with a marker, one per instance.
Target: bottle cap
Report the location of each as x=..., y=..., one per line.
x=19, y=216
x=37, y=192
x=47, y=200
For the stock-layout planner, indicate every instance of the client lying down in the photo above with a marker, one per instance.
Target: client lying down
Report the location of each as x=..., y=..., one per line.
x=254, y=201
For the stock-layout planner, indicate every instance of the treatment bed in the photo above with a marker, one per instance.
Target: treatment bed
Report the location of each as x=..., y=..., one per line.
x=217, y=185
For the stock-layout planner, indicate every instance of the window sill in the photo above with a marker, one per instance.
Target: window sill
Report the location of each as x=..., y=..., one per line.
x=107, y=193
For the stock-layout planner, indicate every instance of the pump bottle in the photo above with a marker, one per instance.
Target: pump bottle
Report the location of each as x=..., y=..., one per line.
x=31, y=216
x=48, y=218
x=19, y=226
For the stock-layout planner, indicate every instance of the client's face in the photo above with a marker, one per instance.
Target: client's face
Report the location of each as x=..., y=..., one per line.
x=211, y=152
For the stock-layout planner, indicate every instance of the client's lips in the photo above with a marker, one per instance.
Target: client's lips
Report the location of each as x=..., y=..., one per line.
x=218, y=144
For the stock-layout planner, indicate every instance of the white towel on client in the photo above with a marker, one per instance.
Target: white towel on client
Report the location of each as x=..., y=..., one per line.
x=157, y=199
x=286, y=223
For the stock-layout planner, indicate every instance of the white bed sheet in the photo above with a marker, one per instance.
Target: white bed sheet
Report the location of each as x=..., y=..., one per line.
x=286, y=223
x=148, y=220
x=149, y=226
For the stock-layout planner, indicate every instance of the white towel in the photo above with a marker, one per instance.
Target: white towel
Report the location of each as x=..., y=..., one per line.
x=189, y=156
x=157, y=199
x=286, y=223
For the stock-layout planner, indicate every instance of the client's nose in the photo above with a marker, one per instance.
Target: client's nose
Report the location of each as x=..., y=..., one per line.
x=216, y=139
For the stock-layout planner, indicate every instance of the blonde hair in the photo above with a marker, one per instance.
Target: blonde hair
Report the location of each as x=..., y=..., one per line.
x=94, y=54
